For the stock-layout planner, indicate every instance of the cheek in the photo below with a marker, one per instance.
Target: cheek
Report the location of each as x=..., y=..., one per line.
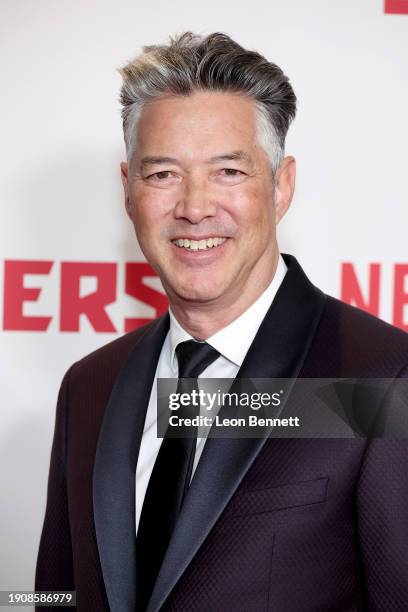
x=253, y=210
x=151, y=212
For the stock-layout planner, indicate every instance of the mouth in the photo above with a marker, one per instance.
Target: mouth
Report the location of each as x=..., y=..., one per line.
x=199, y=245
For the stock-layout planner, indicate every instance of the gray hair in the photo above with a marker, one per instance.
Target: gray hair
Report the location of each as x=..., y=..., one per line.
x=215, y=62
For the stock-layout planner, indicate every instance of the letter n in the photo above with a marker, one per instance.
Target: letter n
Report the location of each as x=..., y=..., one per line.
x=400, y=296
x=351, y=292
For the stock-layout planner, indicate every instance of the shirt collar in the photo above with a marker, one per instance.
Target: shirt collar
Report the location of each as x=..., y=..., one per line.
x=234, y=340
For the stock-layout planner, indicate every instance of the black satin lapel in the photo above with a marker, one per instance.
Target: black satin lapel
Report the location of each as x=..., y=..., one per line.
x=278, y=351
x=115, y=466
x=284, y=337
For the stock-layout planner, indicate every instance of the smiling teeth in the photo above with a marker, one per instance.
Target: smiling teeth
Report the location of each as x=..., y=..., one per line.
x=198, y=245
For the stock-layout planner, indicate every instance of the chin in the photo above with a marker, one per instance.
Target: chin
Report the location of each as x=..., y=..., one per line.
x=199, y=292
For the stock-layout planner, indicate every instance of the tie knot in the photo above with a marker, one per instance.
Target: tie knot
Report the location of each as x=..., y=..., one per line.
x=194, y=357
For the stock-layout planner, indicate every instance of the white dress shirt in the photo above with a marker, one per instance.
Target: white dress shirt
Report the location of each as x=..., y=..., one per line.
x=232, y=342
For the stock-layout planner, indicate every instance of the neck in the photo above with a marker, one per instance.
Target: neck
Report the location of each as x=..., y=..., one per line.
x=202, y=320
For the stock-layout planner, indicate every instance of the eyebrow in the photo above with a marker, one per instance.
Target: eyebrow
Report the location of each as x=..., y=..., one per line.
x=151, y=160
x=233, y=156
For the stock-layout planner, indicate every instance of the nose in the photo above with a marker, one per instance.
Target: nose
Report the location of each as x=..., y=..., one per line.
x=196, y=201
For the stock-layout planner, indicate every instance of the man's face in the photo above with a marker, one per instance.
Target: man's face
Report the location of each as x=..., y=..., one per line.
x=200, y=193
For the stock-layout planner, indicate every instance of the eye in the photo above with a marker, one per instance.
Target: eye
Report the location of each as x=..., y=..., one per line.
x=231, y=172
x=162, y=175
x=230, y=176
x=163, y=178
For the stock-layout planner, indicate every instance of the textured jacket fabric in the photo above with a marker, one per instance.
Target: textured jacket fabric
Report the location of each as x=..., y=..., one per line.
x=283, y=525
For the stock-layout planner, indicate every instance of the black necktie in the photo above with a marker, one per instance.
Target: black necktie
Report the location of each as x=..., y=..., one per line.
x=169, y=480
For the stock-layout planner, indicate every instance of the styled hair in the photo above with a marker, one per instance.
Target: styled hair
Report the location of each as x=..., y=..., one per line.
x=215, y=62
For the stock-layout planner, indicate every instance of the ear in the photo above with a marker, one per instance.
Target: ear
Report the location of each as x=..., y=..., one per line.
x=125, y=183
x=284, y=186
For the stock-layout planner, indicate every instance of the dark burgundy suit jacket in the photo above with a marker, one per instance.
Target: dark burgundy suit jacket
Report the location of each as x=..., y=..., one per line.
x=288, y=525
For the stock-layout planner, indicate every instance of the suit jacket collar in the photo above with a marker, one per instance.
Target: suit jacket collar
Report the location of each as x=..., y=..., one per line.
x=278, y=351
x=115, y=467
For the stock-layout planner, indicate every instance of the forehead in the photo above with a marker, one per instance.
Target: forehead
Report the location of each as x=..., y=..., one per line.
x=201, y=123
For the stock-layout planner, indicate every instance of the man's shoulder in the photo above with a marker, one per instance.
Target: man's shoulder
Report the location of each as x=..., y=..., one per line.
x=105, y=362
x=351, y=319
x=357, y=343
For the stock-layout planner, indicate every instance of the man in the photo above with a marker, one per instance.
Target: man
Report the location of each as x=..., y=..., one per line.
x=237, y=524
